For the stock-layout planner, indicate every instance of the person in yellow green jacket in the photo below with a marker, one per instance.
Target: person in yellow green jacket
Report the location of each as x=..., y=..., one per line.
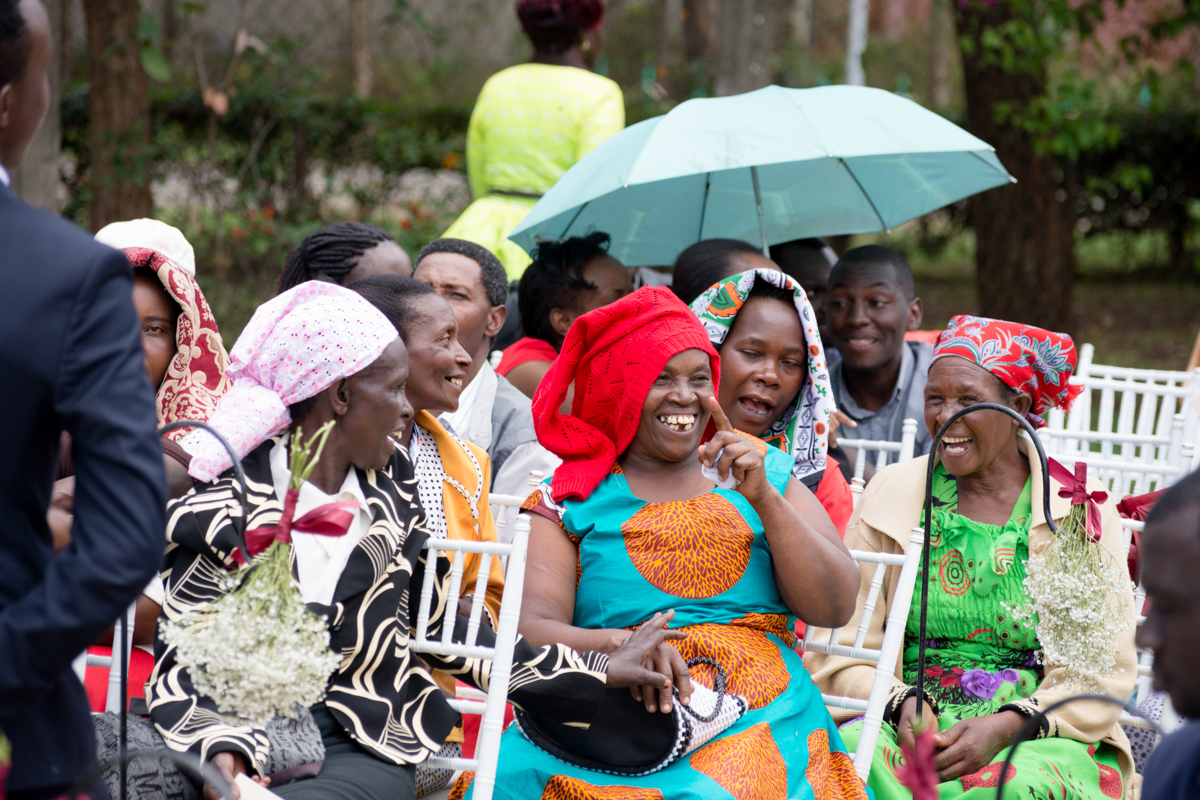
x=533, y=121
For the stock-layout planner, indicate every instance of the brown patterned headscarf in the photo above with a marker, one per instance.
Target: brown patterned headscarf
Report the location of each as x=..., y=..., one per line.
x=195, y=378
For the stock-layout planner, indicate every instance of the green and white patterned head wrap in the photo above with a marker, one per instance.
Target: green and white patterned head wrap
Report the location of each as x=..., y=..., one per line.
x=803, y=429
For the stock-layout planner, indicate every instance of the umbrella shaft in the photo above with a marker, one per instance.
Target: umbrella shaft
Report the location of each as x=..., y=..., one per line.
x=762, y=220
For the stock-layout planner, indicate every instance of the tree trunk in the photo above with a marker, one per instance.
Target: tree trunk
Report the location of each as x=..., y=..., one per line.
x=1024, y=232
x=118, y=113
x=744, y=45
x=699, y=29
x=670, y=31
x=939, y=54
x=37, y=180
x=802, y=24
x=360, y=48
x=856, y=42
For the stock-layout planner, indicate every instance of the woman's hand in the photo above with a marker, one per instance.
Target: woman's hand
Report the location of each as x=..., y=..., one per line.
x=645, y=664
x=972, y=744
x=905, y=735
x=229, y=766
x=738, y=454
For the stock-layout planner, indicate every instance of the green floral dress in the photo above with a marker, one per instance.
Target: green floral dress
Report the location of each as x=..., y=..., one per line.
x=978, y=658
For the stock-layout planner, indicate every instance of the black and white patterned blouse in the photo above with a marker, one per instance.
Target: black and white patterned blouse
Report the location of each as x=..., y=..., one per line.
x=381, y=693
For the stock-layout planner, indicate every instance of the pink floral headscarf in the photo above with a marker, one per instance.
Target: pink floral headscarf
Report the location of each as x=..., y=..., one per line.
x=294, y=347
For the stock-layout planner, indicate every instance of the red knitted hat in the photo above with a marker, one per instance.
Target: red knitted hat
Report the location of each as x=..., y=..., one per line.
x=613, y=355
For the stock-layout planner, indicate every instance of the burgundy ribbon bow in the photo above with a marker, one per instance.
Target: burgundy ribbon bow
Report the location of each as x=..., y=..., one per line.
x=331, y=519
x=1075, y=489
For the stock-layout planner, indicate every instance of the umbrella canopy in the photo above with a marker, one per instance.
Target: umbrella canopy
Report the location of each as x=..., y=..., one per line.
x=826, y=161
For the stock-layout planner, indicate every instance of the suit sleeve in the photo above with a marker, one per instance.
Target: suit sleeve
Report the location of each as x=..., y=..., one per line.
x=105, y=402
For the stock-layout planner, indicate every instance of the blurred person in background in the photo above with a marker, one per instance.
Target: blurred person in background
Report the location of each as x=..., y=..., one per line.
x=532, y=122
x=566, y=280
x=492, y=413
x=701, y=265
x=810, y=262
x=1170, y=562
x=880, y=379
x=70, y=349
x=344, y=252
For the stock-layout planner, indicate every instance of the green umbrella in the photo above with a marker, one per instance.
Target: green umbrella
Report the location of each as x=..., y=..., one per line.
x=767, y=166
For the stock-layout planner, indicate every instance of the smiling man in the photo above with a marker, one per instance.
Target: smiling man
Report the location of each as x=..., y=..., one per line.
x=1170, y=551
x=492, y=413
x=881, y=378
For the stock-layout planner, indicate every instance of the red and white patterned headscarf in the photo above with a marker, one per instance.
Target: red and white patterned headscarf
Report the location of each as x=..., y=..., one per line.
x=294, y=347
x=195, y=378
x=1031, y=360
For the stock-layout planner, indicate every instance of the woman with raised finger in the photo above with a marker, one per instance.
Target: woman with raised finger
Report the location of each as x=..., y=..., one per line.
x=633, y=523
x=774, y=381
x=986, y=670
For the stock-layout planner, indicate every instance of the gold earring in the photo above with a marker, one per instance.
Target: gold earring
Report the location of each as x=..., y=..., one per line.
x=585, y=46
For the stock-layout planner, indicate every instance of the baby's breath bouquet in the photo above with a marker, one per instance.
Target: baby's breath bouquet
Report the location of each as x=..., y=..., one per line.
x=258, y=650
x=1071, y=586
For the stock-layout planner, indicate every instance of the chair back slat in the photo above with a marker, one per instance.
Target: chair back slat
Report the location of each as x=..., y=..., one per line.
x=478, y=597
x=869, y=606
x=456, y=573
x=886, y=657
x=512, y=554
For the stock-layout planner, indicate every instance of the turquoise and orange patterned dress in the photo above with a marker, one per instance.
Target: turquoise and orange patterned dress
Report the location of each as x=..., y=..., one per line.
x=708, y=559
x=978, y=658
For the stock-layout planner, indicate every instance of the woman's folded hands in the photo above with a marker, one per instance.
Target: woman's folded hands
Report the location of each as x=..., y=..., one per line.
x=967, y=746
x=650, y=667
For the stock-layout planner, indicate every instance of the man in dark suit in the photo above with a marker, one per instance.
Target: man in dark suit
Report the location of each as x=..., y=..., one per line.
x=71, y=357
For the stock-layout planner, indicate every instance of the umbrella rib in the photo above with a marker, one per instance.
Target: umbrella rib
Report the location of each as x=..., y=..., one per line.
x=808, y=119
x=858, y=183
x=704, y=205
x=1011, y=179
x=567, y=229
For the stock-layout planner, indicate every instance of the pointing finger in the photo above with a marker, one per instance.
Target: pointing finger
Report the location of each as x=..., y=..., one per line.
x=717, y=414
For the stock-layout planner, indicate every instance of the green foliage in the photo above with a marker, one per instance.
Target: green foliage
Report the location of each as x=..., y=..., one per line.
x=149, y=38
x=1027, y=39
x=1148, y=181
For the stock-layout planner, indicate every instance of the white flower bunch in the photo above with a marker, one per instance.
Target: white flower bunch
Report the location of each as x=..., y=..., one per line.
x=1077, y=614
x=258, y=650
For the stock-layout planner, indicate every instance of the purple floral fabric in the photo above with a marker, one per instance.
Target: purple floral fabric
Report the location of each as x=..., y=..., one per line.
x=983, y=685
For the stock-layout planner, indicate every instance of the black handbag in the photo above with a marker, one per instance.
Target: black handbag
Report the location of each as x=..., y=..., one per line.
x=626, y=739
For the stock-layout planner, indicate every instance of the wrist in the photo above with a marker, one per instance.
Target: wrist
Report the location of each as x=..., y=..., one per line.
x=766, y=502
x=613, y=642
x=1013, y=721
